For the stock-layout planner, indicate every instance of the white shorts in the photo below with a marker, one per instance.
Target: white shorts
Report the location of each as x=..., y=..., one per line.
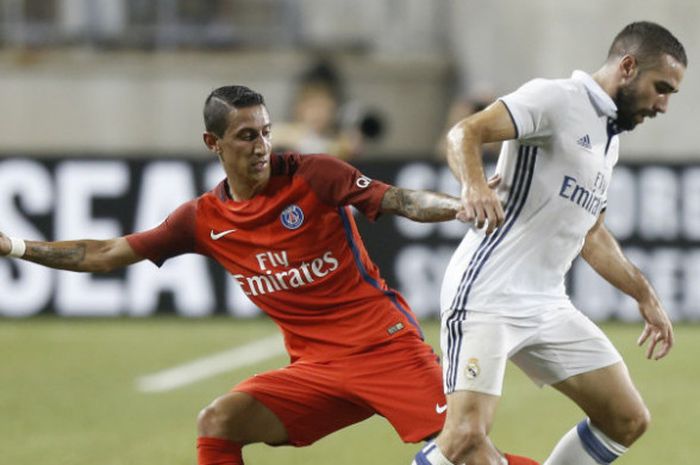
x=549, y=348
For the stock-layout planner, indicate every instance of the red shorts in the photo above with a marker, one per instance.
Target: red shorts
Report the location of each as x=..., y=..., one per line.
x=401, y=381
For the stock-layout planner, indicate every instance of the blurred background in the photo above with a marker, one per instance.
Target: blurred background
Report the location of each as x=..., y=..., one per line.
x=100, y=135
x=130, y=76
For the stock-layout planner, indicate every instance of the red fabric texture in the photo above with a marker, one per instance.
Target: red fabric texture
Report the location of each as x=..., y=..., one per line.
x=218, y=451
x=401, y=381
x=520, y=460
x=174, y=236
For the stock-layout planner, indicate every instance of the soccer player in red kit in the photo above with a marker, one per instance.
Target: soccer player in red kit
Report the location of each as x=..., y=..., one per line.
x=281, y=225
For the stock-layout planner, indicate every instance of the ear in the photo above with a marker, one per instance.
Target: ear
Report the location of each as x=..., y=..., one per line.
x=628, y=68
x=211, y=141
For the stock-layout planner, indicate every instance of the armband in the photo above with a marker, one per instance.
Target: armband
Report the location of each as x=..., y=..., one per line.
x=19, y=247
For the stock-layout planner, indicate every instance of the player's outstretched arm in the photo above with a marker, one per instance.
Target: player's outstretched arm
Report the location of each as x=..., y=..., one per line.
x=602, y=251
x=426, y=206
x=83, y=255
x=423, y=206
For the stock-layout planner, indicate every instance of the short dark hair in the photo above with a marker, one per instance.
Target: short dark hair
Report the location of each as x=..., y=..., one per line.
x=647, y=42
x=221, y=101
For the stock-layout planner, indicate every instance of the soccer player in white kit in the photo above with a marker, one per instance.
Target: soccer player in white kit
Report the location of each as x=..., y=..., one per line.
x=503, y=295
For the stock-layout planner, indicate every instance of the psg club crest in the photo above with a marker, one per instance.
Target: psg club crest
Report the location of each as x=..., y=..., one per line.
x=292, y=217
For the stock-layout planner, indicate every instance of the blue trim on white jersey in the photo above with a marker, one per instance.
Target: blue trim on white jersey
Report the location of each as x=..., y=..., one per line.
x=522, y=179
x=530, y=162
x=516, y=200
x=613, y=129
x=517, y=177
x=454, y=345
x=366, y=276
x=593, y=446
x=515, y=125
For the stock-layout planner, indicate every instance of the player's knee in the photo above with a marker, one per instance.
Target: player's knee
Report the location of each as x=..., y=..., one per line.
x=215, y=421
x=460, y=442
x=631, y=425
x=208, y=422
x=637, y=423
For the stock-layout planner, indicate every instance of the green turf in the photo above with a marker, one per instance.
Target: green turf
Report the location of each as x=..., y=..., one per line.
x=67, y=396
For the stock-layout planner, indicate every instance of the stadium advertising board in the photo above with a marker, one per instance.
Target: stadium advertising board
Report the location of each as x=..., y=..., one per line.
x=653, y=209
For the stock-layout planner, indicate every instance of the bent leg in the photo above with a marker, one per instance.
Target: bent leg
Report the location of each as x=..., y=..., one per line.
x=616, y=413
x=475, y=348
x=475, y=352
x=232, y=421
x=464, y=438
x=295, y=405
x=611, y=401
x=240, y=418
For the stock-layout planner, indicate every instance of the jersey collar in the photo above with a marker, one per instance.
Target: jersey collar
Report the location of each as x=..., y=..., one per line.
x=602, y=101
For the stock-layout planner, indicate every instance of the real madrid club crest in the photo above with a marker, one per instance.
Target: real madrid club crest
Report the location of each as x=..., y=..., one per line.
x=473, y=368
x=292, y=217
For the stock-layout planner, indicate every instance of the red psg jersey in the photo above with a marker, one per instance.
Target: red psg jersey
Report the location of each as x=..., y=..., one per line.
x=296, y=253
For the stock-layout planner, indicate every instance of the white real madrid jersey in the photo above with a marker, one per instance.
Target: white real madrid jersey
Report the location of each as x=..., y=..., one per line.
x=555, y=181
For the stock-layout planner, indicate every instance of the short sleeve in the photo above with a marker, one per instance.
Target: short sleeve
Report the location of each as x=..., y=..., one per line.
x=535, y=107
x=174, y=236
x=338, y=183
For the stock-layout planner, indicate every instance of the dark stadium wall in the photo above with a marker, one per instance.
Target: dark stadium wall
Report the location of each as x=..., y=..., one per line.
x=653, y=209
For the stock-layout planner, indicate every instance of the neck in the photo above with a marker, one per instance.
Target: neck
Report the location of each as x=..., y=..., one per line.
x=605, y=77
x=244, y=191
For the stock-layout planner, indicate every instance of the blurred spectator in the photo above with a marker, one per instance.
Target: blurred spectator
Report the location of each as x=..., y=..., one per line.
x=461, y=108
x=320, y=122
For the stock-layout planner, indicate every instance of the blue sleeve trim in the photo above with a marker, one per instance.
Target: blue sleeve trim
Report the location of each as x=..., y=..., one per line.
x=517, y=133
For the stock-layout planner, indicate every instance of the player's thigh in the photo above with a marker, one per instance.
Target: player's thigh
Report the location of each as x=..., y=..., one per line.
x=567, y=344
x=241, y=418
x=308, y=400
x=402, y=381
x=475, y=350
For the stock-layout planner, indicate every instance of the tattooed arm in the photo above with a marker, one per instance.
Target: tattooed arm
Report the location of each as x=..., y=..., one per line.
x=84, y=255
x=427, y=206
x=422, y=206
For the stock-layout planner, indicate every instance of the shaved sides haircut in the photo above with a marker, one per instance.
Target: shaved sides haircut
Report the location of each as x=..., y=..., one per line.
x=647, y=42
x=221, y=101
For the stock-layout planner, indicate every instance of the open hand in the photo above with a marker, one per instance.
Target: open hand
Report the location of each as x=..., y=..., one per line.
x=657, y=330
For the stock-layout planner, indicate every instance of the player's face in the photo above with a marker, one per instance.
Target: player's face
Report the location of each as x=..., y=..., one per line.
x=245, y=148
x=648, y=92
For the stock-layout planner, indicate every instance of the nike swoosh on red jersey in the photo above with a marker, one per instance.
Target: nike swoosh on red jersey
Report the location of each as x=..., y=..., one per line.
x=216, y=236
x=440, y=408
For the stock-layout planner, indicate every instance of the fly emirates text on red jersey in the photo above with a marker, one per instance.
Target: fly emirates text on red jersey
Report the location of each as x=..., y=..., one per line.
x=271, y=280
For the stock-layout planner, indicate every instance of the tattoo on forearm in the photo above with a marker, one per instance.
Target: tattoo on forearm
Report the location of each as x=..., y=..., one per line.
x=66, y=257
x=395, y=201
x=422, y=206
x=432, y=206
